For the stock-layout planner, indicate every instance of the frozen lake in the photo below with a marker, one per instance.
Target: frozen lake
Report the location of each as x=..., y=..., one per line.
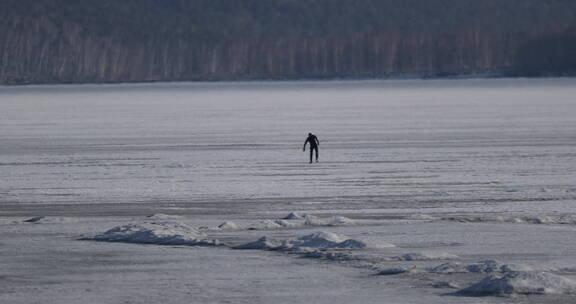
x=382, y=142
x=452, y=150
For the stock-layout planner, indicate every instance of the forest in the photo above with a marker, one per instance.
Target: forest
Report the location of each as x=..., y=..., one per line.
x=71, y=41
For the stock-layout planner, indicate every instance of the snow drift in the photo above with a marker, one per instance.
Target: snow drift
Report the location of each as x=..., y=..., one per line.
x=161, y=233
x=318, y=240
x=292, y=220
x=487, y=266
x=521, y=283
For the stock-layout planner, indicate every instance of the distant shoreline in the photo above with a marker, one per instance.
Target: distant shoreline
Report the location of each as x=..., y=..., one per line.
x=486, y=75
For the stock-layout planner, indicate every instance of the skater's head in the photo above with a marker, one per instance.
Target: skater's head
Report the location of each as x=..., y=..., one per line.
x=309, y=134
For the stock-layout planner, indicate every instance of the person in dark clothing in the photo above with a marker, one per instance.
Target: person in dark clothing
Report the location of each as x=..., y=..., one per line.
x=314, y=143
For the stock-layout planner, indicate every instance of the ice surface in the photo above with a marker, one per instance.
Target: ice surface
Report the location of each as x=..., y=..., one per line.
x=482, y=169
x=161, y=233
x=521, y=283
x=408, y=143
x=340, y=221
x=162, y=216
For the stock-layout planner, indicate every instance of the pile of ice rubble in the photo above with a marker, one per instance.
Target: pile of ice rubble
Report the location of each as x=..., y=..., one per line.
x=175, y=233
x=501, y=280
x=292, y=220
x=161, y=233
x=318, y=240
x=521, y=283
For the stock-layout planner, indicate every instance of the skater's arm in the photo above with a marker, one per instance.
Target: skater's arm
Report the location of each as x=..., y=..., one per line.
x=317, y=141
x=305, y=142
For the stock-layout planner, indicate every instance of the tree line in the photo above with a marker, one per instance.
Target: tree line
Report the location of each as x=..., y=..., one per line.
x=68, y=41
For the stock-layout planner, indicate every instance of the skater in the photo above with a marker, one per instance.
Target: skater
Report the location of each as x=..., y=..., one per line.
x=314, y=143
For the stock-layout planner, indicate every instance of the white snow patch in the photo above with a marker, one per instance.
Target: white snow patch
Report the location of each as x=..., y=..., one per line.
x=422, y=217
x=161, y=233
x=228, y=226
x=320, y=239
x=311, y=220
x=521, y=283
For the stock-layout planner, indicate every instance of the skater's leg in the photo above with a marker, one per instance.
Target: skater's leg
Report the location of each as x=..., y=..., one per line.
x=311, y=152
x=317, y=153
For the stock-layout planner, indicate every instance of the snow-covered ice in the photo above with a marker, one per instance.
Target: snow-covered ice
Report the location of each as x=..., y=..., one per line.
x=162, y=216
x=471, y=180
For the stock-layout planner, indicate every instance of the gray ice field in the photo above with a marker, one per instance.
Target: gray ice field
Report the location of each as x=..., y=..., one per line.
x=427, y=191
